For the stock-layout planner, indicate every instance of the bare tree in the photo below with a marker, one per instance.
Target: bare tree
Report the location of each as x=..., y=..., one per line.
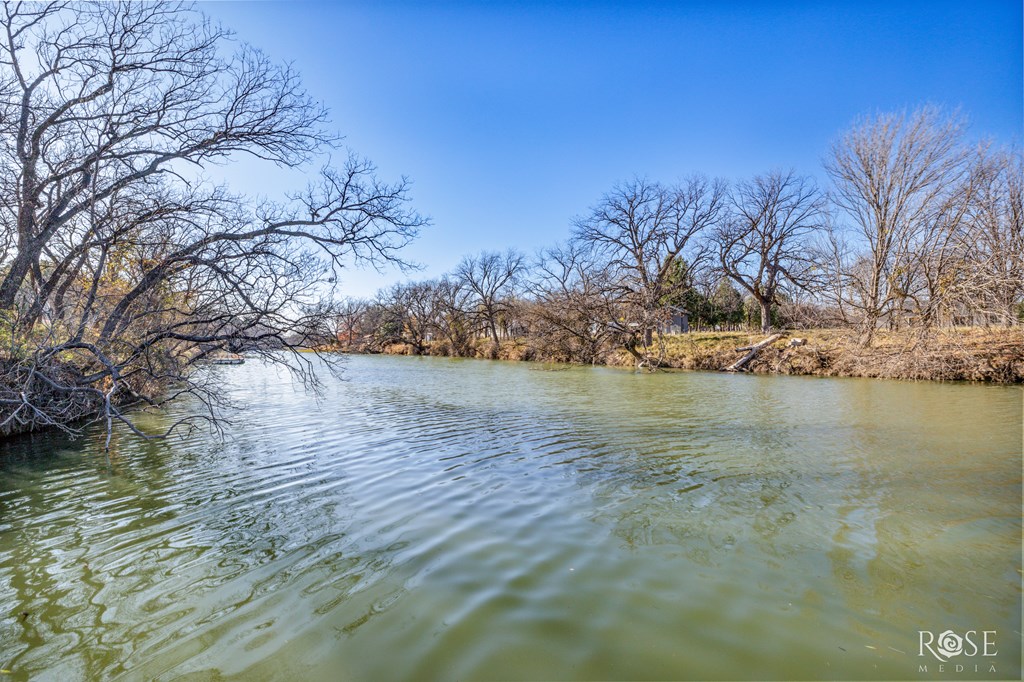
x=763, y=246
x=120, y=276
x=570, y=304
x=492, y=277
x=646, y=232
x=413, y=307
x=993, y=284
x=100, y=97
x=940, y=260
x=349, y=316
x=454, y=320
x=379, y=325
x=891, y=174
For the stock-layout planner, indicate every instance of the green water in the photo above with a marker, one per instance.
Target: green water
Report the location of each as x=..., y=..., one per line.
x=427, y=519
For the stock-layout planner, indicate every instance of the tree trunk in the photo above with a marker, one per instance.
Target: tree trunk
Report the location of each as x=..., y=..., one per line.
x=494, y=333
x=15, y=276
x=867, y=334
x=766, y=316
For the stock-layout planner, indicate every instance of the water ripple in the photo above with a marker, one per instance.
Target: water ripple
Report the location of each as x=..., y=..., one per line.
x=433, y=519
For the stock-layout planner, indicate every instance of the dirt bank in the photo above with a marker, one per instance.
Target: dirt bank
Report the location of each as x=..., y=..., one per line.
x=990, y=355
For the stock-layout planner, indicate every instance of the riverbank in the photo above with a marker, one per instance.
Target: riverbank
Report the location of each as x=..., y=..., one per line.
x=967, y=354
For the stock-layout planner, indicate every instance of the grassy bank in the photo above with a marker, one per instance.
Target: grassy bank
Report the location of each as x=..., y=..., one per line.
x=967, y=354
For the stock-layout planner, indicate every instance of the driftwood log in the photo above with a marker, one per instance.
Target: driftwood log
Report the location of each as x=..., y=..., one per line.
x=753, y=351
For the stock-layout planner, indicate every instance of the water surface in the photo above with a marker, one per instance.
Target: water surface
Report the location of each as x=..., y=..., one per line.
x=440, y=519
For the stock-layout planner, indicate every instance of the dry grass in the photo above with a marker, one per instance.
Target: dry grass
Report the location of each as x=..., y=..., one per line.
x=971, y=354
x=966, y=354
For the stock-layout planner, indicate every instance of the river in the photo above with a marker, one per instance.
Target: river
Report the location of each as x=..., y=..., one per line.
x=434, y=519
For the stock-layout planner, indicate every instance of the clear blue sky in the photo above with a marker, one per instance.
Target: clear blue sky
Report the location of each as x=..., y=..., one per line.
x=512, y=118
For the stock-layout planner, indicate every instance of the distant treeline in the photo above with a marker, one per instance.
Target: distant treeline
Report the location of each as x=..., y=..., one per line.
x=124, y=271
x=920, y=230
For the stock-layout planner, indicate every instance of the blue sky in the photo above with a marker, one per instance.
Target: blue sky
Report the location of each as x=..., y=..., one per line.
x=512, y=118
